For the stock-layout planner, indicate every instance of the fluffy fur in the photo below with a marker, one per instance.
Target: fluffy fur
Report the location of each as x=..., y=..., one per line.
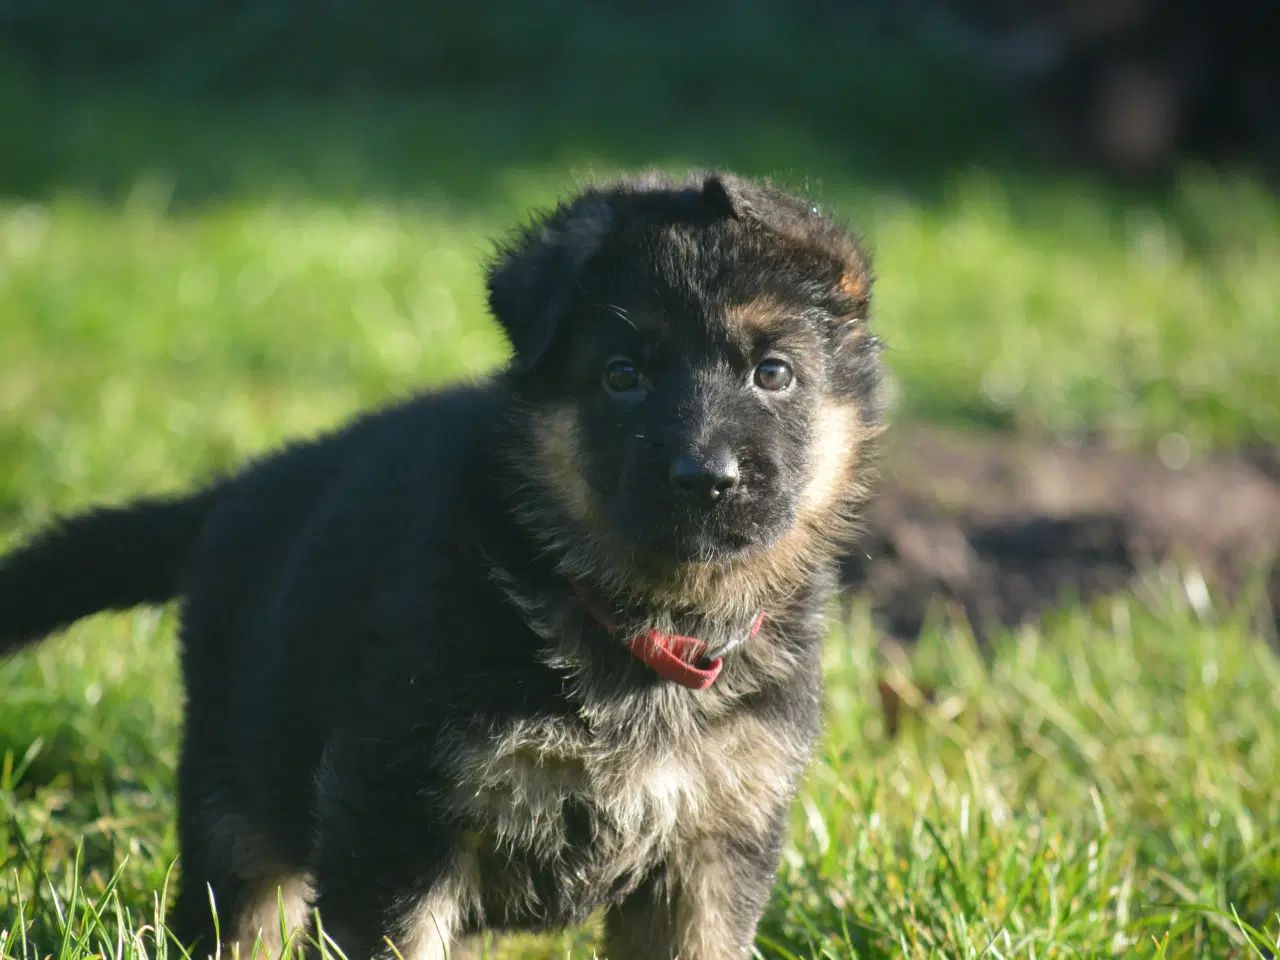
x=398, y=710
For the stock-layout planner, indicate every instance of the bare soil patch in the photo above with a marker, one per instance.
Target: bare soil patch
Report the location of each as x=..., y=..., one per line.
x=999, y=530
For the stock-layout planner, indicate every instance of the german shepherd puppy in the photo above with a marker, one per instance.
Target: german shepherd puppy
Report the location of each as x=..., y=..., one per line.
x=504, y=655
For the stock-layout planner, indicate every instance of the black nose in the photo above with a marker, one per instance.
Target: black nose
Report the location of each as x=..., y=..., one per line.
x=707, y=477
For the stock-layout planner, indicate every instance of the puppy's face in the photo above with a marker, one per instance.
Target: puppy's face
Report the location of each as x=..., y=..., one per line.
x=695, y=404
x=695, y=364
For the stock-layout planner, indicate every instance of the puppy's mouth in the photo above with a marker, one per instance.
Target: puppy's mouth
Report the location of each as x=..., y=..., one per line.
x=704, y=543
x=665, y=533
x=706, y=547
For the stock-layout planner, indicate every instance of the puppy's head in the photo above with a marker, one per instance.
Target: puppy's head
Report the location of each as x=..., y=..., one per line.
x=695, y=375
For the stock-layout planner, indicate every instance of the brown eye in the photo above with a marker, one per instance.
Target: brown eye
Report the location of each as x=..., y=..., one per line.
x=773, y=375
x=621, y=376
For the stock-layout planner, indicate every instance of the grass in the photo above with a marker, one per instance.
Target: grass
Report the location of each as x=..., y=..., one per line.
x=181, y=288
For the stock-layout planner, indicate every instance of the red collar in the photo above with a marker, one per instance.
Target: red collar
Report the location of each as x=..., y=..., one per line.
x=672, y=656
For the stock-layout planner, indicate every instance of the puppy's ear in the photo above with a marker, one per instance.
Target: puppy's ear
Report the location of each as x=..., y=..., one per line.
x=852, y=299
x=530, y=278
x=717, y=195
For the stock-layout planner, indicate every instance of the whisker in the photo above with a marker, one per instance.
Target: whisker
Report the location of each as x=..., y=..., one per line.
x=618, y=312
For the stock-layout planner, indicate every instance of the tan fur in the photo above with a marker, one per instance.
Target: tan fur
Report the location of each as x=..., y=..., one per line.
x=761, y=315
x=837, y=439
x=249, y=857
x=853, y=283
x=434, y=929
x=261, y=920
x=558, y=445
x=705, y=884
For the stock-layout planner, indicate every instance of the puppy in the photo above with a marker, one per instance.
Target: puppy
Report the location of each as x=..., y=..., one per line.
x=507, y=654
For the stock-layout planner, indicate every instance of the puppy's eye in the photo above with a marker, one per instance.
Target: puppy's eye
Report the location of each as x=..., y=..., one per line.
x=773, y=375
x=622, y=376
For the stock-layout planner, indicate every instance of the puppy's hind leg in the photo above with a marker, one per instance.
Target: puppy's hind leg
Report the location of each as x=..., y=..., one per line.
x=275, y=913
x=207, y=858
x=223, y=852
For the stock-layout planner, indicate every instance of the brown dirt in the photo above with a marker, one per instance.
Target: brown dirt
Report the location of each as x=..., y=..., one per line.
x=1001, y=530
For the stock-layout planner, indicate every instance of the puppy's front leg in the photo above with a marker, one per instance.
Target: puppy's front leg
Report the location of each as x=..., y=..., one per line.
x=705, y=905
x=643, y=925
x=386, y=864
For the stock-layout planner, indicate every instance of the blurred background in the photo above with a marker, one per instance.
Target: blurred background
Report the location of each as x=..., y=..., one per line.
x=226, y=223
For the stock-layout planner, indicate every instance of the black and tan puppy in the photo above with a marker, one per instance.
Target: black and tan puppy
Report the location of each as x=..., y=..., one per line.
x=502, y=656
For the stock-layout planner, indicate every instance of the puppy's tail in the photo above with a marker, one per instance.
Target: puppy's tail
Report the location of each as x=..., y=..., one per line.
x=109, y=558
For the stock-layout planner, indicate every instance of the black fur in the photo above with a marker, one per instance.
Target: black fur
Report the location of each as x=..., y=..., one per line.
x=395, y=700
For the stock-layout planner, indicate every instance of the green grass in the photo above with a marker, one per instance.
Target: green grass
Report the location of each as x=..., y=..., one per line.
x=183, y=285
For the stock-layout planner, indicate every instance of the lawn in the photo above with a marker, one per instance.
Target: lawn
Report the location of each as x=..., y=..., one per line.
x=183, y=287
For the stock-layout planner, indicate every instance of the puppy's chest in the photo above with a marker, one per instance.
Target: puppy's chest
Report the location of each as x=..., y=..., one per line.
x=555, y=790
x=562, y=819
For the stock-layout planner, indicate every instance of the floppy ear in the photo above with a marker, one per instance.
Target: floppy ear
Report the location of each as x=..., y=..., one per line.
x=532, y=274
